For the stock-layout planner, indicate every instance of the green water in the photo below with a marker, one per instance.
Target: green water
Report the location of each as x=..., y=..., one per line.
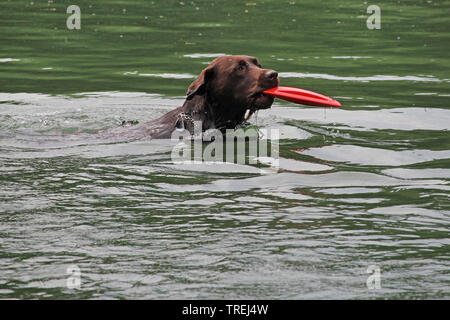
x=364, y=185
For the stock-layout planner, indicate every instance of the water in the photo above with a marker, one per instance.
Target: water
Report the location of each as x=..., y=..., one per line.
x=366, y=185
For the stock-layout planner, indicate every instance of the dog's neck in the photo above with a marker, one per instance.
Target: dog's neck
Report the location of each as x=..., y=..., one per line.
x=213, y=114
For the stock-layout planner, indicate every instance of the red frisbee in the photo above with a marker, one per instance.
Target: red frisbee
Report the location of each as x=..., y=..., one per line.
x=302, y=96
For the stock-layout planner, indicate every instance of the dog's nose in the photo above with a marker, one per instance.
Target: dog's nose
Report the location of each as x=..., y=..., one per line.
x=271, y=74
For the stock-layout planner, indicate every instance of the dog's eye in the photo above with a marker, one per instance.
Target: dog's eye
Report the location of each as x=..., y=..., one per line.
x=256, y=63
x=242, y=66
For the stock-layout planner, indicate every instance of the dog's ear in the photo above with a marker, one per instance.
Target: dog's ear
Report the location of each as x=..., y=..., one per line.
x=199, y=84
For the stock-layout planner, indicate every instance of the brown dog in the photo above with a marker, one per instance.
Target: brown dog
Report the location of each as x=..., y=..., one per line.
x=219, y=98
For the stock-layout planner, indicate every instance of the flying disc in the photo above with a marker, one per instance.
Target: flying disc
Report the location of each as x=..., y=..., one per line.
x=302, y=96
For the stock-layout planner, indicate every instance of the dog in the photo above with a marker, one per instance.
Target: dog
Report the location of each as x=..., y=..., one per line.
x=220, y=97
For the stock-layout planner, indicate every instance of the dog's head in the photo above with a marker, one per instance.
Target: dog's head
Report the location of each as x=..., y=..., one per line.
x=235, y=83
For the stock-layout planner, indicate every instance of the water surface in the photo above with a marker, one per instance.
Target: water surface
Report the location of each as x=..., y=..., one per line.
x=365, y=185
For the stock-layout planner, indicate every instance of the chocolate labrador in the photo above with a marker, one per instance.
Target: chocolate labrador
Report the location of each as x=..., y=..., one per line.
x=221, y=96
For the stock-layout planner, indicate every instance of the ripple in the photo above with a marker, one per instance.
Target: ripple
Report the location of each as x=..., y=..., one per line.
x=294, y=165
x=169, y=75
x=3, y=60
x=359, y=79
x=418, y=173
x=349, y=190
x=395, y=118
x=204, y=55
x=374, y=156
x=351, y=57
